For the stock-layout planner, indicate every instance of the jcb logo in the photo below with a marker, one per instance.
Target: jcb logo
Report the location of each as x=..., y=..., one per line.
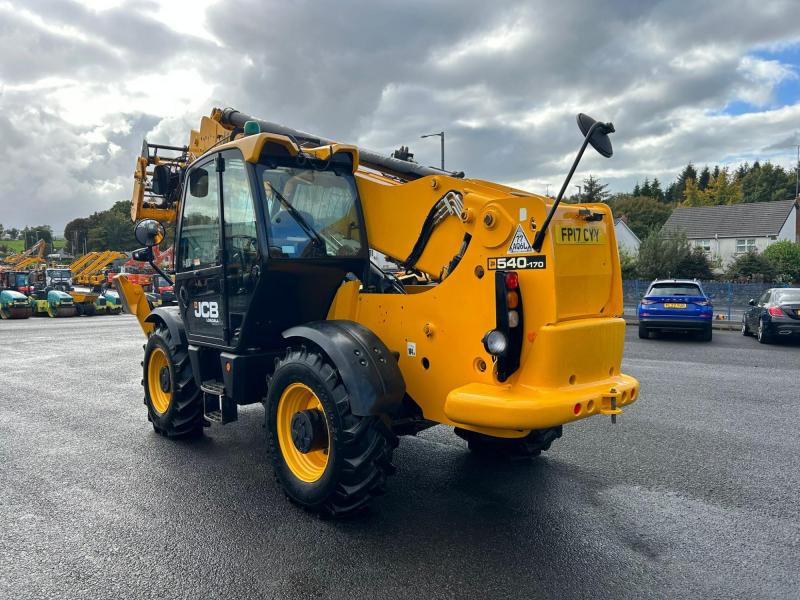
x=206, y=310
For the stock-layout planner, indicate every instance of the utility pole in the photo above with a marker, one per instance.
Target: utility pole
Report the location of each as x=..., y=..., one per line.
x=797, y=174
x=441, y=135
x=547, y=190
x=580, y=190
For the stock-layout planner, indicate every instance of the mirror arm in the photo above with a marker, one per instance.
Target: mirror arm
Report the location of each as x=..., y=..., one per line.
x=158, y=270
x=539, y=240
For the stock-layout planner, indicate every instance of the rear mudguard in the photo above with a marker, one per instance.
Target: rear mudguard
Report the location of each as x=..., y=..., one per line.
x=368, y=369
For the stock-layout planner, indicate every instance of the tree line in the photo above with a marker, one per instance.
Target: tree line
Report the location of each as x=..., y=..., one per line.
x=647, y=206
x=110, y=229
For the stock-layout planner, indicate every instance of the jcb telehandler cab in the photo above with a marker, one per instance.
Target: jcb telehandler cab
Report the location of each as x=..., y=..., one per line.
x=513, y=332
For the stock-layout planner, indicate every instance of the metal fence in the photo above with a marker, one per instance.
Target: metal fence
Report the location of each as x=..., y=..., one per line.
x=729, y=299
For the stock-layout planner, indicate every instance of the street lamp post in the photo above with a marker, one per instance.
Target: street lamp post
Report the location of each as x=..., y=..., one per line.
x=441, y=135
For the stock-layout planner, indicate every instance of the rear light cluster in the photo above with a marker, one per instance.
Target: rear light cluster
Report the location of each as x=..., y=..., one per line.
x=775, y=311
x=504, y=342
x=646, y=302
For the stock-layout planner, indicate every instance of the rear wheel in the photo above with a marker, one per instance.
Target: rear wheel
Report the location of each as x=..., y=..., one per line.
x=532, y=445
x=644, y=333
x=3, y=314
x=174, y=404
x=325, y=458
x=761, y=333
x=706, y=334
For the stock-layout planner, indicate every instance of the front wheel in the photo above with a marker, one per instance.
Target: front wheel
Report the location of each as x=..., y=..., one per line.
x=745, y=328
x=325, y=458
x=174, y=404
x=532, y=445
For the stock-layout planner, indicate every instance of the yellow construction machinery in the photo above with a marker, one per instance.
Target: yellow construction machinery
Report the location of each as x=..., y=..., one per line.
x=91, y=272
x=27, y=259
x=511, y=330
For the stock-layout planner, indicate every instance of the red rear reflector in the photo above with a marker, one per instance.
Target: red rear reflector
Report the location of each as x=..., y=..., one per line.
x=577, y=408
x=512, y=281
x=775, y=311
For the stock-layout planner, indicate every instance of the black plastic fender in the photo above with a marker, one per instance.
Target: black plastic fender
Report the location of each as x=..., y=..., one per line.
x=169, y=316
x=368, y=369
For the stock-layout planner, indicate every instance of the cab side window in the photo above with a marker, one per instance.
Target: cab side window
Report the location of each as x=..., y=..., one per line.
x=199, y=242
x=241, y=241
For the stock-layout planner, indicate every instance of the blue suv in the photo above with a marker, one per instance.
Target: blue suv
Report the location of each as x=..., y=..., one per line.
x=675, y=305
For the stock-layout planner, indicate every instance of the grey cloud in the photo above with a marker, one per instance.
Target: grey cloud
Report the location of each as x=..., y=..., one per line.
x=381, y=74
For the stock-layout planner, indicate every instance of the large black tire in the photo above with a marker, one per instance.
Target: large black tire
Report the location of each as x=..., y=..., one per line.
x=183, y=415
x=644, y=333
x=745, y=329
x=359, y=451
x=762, y=335
x=530, y=446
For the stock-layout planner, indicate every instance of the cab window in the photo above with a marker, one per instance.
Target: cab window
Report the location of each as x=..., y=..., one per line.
x=311, y=213
x=199, y=241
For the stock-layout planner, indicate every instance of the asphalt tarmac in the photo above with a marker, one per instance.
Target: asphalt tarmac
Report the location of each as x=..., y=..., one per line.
x=695, y=493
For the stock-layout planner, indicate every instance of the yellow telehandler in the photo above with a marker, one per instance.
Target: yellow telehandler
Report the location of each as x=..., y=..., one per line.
x=511, y=330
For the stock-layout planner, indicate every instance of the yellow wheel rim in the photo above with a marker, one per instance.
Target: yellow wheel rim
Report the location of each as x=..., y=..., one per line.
x=157, y=363
x=308, y=467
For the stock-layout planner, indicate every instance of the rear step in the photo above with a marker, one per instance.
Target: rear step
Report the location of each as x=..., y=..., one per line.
x=217, y=407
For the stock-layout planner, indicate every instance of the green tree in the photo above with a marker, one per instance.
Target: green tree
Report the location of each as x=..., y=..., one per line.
x=643, y=214
x=751, y=266
x=655, y=190
x=693, y=195
x=627, y=263
x=31, y=235
x=675, y=190
x=594, y=191
x=13, y=233
x=785, y=258
x=661, y=255
x=695, y=265
x=704, y=178
x=767, y=183
x=646, y=189
x=723, y=189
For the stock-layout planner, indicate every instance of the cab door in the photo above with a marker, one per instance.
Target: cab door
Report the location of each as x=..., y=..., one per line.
x=199, y=272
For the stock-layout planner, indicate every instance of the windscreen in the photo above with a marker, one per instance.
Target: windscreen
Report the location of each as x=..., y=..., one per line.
x=675, y=289
x=312, y=213
x=59, y=273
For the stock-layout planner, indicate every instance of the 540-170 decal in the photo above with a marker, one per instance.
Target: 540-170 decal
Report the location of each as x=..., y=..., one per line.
x=517, y=262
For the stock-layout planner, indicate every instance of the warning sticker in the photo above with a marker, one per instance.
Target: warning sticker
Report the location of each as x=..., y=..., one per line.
x=520, y=243
x=411, y=349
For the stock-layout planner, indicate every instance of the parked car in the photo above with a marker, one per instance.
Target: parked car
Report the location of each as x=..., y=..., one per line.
x=776, y=313
x=675, y=305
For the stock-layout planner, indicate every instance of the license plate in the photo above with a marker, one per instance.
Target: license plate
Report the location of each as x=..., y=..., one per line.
x=580, y=234
x=674, y=305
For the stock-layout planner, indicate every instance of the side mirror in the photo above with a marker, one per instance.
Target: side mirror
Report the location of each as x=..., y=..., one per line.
x=162, y=181
x=149, y=232
x=751, y=302
x=599, y=140
x=198, y=183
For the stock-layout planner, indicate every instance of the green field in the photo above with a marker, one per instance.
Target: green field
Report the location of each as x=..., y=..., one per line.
x=15, y=246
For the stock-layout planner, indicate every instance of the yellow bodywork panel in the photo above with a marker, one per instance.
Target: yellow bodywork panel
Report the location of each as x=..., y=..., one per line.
x=572, y=345
x=134, y=301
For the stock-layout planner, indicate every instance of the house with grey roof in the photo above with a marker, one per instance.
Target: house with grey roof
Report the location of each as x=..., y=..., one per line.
x=627, y=240
x=726, y=231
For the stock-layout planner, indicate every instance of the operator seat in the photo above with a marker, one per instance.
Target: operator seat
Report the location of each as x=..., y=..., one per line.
x=288, y=236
